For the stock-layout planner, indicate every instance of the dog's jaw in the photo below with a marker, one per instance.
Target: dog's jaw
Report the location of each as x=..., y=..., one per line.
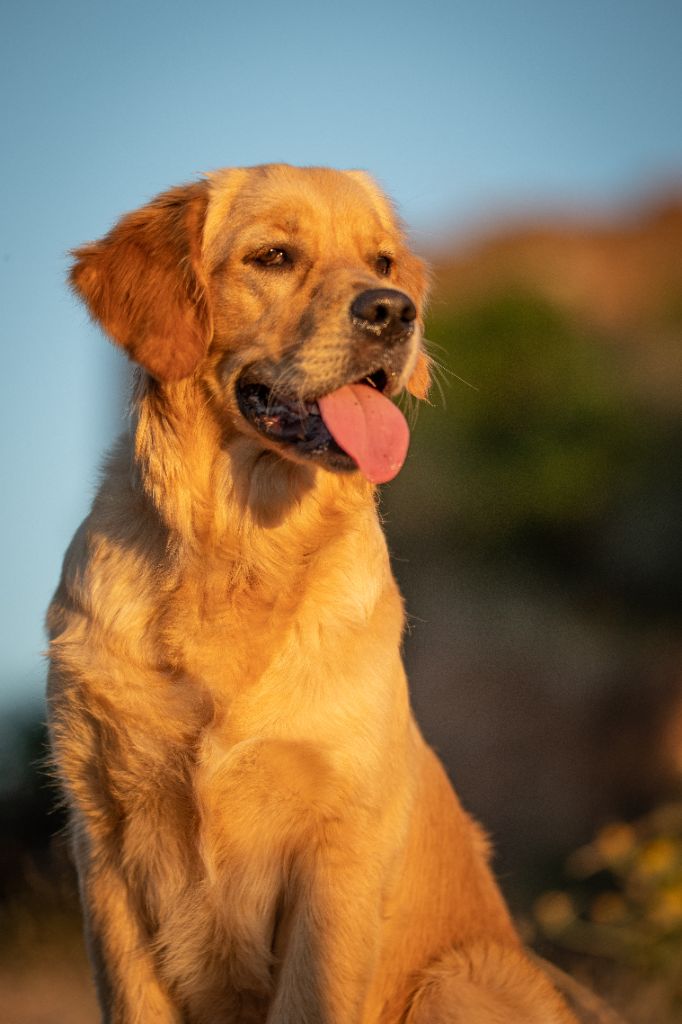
x=300, y=427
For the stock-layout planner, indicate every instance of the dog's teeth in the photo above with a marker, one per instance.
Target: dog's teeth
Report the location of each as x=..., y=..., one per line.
x=313, y=408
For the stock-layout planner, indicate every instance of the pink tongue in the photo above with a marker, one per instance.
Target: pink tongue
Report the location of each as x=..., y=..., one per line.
x=369, y=427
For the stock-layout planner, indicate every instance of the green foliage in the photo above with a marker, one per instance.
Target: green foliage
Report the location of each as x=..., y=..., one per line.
x=539, y=434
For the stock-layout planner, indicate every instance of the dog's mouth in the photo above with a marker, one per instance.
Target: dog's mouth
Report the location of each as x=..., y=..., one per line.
x=356, y=426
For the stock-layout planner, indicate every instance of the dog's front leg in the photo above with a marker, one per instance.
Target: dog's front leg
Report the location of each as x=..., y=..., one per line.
x=128, y=987
x=328, y=941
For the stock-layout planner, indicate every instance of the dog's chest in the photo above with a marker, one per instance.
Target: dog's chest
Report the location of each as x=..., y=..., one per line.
x=231, y=621
x=295, y=693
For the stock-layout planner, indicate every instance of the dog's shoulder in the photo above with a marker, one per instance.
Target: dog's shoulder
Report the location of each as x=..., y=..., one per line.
x=114, y=568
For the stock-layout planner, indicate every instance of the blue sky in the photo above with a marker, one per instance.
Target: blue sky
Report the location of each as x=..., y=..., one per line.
x=463, y=111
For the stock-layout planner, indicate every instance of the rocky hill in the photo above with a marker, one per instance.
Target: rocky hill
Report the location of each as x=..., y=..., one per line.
x=621, y=274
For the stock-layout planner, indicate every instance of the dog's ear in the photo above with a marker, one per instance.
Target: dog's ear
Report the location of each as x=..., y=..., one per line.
x=144, y=283
x=420, y=379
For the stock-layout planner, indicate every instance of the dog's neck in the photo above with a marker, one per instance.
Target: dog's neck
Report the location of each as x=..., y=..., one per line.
x=256, y=542
x=221, y=493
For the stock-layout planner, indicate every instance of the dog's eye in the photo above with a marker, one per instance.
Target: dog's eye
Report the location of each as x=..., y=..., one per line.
x=383, y=265
x=273, y=257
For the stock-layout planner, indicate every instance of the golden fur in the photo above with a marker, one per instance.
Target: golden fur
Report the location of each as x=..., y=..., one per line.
x=261, y=833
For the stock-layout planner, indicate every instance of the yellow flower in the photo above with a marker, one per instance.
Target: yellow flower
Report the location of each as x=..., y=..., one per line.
x=615, y=842
x=667, y=909
x=554, y=911
x=657, y=857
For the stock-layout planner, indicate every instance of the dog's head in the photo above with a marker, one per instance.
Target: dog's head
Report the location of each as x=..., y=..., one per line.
x=290, y=293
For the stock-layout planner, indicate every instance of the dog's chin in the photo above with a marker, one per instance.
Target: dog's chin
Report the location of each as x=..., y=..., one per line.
x=294, y=426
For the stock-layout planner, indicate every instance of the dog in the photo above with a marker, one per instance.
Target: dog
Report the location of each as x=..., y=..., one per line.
x=260, y=831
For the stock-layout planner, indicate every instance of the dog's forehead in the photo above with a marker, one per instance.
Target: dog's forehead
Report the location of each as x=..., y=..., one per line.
x=290, y=201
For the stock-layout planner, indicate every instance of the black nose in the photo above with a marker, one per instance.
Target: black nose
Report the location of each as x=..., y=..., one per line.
x=384, y=312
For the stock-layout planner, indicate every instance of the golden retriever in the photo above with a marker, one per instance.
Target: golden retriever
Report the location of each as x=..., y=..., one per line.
x=261, y=833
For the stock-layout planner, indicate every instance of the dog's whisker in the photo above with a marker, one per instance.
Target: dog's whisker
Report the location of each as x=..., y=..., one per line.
x=410, y=406
x=438, y=382
x=430, y=344
x=439, y=365
x=451, y=373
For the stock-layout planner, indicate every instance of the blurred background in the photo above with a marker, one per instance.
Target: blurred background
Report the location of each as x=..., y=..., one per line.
x=535, y=151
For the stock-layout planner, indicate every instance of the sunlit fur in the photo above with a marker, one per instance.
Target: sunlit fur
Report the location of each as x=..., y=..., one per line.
x=261, y=833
